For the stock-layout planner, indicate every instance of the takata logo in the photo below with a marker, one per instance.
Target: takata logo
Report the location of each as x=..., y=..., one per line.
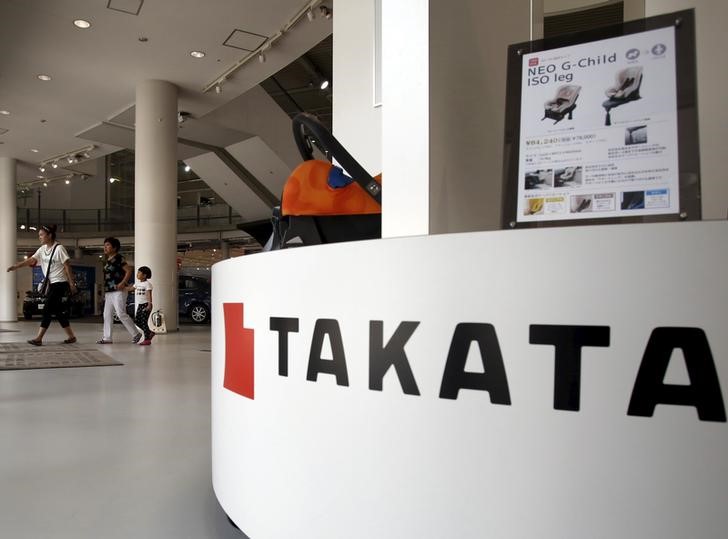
x=649, y=390
x=532, y=62
x=239, y=352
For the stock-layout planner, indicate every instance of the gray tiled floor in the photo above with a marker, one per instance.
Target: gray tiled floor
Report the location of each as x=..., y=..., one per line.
x=110, y=452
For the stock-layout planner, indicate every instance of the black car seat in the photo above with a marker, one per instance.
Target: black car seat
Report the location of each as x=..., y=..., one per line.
x=626, y=89
x=562, y=104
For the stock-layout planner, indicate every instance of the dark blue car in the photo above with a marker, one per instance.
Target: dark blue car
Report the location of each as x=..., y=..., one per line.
x=193, y=299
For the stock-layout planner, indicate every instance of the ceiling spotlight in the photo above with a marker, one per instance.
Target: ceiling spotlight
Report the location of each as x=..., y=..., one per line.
x=41, y=168
x=34, y=150
x=310, y=14
x=70, y=160
x=187, y=168
x=5, y=112
x=68, y=182
x=197, y=54
x=54, y=164
x=32, y=228
x=325, y=12
x=324, y=84
x=44, y=77
x=218, y=88
x=45, y=184
x=22, y=227
x=112, y=180
x=261, y=57
x=81, y=23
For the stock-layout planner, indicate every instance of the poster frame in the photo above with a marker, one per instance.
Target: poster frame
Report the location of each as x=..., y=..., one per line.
x=687, y=118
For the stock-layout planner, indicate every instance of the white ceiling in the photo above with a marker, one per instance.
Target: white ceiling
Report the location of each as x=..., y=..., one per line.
x=95, y=71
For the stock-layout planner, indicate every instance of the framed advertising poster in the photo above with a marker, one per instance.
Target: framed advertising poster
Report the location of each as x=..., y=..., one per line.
x=601, y=126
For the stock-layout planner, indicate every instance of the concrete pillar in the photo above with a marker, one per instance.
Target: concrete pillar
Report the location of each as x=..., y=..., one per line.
x=155, y=191
x=443, y=97
x=224, y=249
x=8, y=240
x=77, y=253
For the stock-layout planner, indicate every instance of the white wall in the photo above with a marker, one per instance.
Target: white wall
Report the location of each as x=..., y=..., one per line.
x=710, y=22
x=357, y=122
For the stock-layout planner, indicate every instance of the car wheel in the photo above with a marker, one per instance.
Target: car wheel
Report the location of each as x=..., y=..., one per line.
x=199, y=313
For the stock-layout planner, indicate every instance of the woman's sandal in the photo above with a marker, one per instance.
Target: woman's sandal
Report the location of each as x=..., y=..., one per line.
x=70, y=341
x=35, y=342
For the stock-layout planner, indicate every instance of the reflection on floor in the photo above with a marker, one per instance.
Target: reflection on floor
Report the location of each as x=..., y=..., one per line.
x=110, y=452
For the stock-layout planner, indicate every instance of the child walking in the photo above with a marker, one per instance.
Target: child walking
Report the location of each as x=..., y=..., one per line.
x=143, y=296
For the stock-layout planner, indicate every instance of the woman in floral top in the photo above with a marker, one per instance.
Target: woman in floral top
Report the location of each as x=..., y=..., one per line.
x=116, y=279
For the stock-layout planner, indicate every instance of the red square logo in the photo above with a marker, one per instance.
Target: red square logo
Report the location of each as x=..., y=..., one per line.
x=532, y=62
x=239, y=352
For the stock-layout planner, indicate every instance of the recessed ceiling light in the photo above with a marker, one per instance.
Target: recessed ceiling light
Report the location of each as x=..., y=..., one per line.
x=197, y=54
x=44, y=77
x=34, y=150
x=81, y=23
x=5, y=112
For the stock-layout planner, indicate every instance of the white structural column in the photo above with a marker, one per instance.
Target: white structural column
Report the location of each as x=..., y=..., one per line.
x=8, y=240
x=155, y=191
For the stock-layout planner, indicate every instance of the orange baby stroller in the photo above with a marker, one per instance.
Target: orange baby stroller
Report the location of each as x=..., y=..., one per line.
x=323, y=203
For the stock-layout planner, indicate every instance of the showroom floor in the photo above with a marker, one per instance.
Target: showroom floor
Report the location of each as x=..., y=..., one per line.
x=110, y=452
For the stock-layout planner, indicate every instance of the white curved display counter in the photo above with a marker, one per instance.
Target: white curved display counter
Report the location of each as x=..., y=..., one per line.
x=553, y=383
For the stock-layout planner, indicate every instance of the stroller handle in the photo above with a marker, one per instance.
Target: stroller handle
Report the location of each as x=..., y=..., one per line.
x=305, y=121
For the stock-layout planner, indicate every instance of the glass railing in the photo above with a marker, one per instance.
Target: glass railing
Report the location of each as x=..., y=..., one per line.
x=189, y=218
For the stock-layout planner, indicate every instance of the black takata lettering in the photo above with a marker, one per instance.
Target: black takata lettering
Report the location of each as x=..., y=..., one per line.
x=283, y=326
x=568, y=342
x=336, y=365
x=493, y=380
x=703, y=392
x=382, y=357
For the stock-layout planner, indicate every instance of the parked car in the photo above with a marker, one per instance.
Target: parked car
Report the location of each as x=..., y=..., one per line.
x=34, y=303
x=193, y=299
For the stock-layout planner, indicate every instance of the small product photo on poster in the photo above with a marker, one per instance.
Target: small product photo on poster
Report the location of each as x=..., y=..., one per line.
x=580, y=203
x=567, y=177
x=635, y=135
x=539, y=179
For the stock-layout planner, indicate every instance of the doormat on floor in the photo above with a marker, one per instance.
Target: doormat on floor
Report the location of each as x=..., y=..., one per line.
x=50, y=357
